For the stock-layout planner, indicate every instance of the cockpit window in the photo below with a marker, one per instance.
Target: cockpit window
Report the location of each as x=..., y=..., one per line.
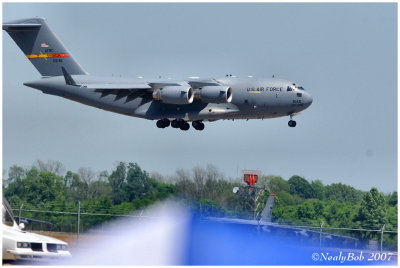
x=300, y=88
x=291, y=88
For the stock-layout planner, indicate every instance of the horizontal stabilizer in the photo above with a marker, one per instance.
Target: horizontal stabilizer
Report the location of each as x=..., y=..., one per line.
x=14, y=27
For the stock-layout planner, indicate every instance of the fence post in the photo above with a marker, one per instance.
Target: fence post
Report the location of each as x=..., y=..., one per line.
x=383, y=228
x=79, y=222
x=20, y=209
x=320, y=234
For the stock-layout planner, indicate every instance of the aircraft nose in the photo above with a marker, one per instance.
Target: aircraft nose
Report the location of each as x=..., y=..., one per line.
x=309, y=100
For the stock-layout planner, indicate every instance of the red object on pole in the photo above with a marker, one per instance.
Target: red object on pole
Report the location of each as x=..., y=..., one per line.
x=250, y=179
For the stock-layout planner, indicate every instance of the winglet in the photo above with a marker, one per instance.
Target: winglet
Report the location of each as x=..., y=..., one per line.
x=68, y=78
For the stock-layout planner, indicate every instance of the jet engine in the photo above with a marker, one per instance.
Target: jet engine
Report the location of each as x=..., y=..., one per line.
x=214, y=94
x=174, y=94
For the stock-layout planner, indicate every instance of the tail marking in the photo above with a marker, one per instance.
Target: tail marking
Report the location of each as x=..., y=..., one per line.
x=35, y=56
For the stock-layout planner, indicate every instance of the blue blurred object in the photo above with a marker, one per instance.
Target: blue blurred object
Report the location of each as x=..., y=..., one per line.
x=219, y=243
x=169, y=234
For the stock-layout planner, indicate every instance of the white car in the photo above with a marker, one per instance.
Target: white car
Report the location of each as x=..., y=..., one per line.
x=21, y=245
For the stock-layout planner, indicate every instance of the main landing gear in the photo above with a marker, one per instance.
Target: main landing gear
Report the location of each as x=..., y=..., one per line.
x=198, y=125
x=291, y=123
x=179, y=123
x=163, y=123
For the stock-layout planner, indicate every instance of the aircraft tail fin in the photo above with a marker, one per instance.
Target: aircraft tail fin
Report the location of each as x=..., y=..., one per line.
x=266, y=214
x=42, y=47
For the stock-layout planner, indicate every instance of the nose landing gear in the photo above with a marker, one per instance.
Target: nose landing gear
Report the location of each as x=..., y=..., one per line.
x=291, y=123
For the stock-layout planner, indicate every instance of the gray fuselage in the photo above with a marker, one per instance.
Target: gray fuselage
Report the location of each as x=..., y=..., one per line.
x=252, y=98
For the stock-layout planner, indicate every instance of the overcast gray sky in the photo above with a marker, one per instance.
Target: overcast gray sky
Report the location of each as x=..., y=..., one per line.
x=345, y=55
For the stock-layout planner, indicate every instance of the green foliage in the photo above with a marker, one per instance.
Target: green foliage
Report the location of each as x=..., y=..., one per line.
x=116, y=180
x=317, y=190
x=208, y=207
x=37, y=187
x=372, y=212
x=392, y=200
x=128, y=188
x=275, y=184
x=342, y=192
x=391, y=215
x=284, y=199
x=300, y=186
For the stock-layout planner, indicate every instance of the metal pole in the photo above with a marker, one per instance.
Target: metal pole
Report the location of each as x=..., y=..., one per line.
x=79, y=222
x=320, y=234
x=383, y=228
x=20, y=209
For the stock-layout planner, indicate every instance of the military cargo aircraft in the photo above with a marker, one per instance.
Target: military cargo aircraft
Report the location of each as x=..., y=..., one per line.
x=171, y=103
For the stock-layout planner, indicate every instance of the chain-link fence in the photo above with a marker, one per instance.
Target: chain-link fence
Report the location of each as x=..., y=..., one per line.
x=85, y=219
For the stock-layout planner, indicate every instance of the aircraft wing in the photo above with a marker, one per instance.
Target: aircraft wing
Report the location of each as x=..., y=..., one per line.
x=118, y=86
x=131, y=91
x=163, y=84
x=196, y=83
x=193, y=82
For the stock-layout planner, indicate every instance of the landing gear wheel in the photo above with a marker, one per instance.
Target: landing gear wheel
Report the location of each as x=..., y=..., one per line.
x=167, y=123
x=198, y=125
x=292, y=123
x=160, y=124
x=175, y=124
x=163, y=123
x=184, y=126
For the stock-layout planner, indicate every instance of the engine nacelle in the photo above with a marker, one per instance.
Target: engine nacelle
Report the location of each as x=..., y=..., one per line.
x=214, y=94
x=174, y=94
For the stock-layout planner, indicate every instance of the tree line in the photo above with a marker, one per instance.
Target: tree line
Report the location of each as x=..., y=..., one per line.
x=127, y=188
